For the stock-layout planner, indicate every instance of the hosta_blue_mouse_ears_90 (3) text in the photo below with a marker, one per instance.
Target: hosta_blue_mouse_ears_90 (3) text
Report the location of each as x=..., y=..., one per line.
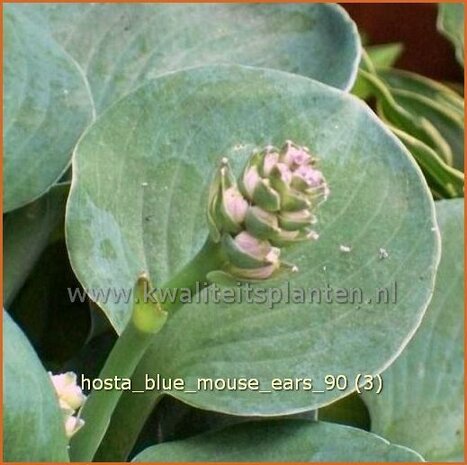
x=270, y=206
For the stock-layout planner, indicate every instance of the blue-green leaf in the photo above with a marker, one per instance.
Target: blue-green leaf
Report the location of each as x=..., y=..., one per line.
x=140, y=205
x=422, y=402
x=122, y=46
x=33, y=422
x=451, y=24
x=281, y=441
x=46, y=107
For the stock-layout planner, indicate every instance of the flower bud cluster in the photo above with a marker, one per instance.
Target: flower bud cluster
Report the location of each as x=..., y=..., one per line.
x=70, y=398
x=271, y=206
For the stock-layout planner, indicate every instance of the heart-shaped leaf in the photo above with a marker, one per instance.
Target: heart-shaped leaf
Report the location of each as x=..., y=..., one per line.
x=46, y=107
x=451, y=24
x=112, y=238
x=33, y=423
x=281, y=441
x=121, y=46
x=138, y=204
x=421, y=404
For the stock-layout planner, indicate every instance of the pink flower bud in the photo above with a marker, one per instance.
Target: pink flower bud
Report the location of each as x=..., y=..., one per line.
x=310, y=175
x=270, y=160
x=251, y=179
x=295, y=156
x=251, y=245
x=73, y=425
x=271, y=206
x=69, y=393
x=235, y=205
x=284, y=170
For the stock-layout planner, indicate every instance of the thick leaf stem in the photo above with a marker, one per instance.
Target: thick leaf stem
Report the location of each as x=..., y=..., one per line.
x=121, y=363
x=192, y=277
x=125, y=356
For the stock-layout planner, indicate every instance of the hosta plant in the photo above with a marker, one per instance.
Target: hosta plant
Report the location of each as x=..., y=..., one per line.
x=214, y=251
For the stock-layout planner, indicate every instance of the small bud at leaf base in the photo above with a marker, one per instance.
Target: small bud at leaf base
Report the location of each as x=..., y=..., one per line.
x=148, y=315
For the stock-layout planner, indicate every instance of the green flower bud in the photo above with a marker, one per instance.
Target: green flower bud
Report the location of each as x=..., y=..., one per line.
x=295, y=201
x=266, y=197
x=260, y=223
x=226, y=205
x=233, y=209
x=284, y=238
x=247, y=251
x=255, y=274
x=250, y=257
x=271, y=207
x=270, y=160
x=291, y=221
x=250, y=181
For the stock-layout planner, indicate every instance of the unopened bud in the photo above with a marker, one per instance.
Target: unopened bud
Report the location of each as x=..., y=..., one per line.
x=70, y=398
x=272, y=206
x=295, y=156
x=234, y=206
x=250, y=181
x=226, y=205
x=73, y=425
x=294, y=220
x=70, y=395
x=260, y=223
x=271, y=159
x=246, y=251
